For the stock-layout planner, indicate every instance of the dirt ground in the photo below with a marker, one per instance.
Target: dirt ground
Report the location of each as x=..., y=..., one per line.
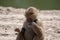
x=11, y=18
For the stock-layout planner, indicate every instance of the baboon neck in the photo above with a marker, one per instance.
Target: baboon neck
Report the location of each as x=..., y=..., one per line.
x=29, y=20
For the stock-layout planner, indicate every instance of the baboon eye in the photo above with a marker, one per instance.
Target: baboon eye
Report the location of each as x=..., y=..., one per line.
x=29, y=13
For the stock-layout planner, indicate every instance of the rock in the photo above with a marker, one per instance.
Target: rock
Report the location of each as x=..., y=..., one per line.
x=11, y=18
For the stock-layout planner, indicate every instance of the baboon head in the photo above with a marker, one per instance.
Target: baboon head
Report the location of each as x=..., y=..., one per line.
x=31, y=13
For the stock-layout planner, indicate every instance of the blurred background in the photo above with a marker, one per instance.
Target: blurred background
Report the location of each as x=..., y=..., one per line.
x=12, y=16
x=41, y=4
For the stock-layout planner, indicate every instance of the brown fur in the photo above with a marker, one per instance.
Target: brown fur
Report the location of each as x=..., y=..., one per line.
x=32, y=29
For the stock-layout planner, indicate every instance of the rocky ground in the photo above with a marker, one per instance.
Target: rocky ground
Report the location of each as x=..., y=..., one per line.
x=11, y=18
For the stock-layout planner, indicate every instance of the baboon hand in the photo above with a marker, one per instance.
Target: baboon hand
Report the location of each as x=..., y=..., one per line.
x=17, y=30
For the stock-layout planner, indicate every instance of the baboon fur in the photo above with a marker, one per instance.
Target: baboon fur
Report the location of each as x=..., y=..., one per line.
x=32, y=28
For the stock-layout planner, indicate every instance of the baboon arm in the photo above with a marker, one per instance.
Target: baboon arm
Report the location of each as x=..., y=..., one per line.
x=23, y=29
x=21, y=33
x=37, y=29
x=38, y=38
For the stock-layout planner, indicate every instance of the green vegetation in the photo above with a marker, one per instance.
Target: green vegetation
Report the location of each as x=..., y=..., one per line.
x=42, y=4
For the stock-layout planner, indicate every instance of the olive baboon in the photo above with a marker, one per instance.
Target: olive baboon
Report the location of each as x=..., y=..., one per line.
x=32, y=29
